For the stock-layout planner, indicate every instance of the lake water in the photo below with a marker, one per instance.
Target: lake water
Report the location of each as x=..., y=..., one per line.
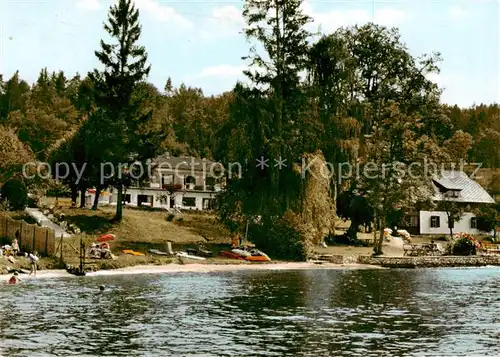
x=428, y=312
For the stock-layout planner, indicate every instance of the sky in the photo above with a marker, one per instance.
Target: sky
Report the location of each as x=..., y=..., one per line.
x=200, y=43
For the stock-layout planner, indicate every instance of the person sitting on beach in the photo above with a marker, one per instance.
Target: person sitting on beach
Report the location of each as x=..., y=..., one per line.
x=33, y=262
x=15, y=246
x=14, y=279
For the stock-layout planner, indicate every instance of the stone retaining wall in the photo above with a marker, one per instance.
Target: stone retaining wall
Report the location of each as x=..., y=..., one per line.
x=431, y=262
x=417, y=262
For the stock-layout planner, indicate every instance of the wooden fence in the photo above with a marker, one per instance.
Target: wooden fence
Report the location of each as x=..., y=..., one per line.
x=31, y=237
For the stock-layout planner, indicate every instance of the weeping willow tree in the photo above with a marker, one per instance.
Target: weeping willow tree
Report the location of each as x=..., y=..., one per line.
x=316, y=218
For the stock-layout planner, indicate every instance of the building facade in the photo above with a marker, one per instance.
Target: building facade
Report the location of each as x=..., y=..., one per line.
x=451, y=188
x=173, y=183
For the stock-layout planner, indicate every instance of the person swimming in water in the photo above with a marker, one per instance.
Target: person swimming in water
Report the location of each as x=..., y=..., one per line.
x=14, y=279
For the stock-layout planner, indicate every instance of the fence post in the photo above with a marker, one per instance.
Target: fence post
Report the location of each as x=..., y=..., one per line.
x=33, y=240
x=20, y=235
x=46, y=242
x=61, y=245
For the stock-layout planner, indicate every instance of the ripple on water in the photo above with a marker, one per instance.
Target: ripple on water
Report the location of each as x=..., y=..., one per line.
x=284, y=313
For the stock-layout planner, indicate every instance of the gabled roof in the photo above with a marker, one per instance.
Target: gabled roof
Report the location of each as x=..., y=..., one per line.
x=185, y=163
x=470, y=190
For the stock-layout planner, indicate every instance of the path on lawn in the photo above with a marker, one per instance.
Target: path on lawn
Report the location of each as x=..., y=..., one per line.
x=44, y=221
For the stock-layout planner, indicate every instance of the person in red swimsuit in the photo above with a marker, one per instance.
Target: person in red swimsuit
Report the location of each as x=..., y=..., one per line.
x=14, y=279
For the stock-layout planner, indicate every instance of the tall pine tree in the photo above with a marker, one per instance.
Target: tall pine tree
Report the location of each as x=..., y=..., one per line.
x=119, y=122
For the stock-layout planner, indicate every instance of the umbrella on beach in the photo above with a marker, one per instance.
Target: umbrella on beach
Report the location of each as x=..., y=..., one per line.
x=106, y=238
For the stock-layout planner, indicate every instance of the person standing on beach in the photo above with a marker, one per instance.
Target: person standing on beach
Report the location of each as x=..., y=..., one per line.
x=33, y=260
x=15, y=245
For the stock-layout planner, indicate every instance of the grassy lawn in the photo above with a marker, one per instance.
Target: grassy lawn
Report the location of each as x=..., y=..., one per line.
x=140, y=230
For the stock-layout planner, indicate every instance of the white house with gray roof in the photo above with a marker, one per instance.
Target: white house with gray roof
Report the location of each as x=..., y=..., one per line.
x=451, y=186
x=175, y=183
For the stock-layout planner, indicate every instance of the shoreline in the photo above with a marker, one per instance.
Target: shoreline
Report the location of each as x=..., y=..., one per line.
x=376, y=263
x=198, y=268
x=330, y=262
x=209, y=268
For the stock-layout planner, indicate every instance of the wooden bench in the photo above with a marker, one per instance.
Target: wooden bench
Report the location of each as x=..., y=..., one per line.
x=416, y=250
x=490, y=248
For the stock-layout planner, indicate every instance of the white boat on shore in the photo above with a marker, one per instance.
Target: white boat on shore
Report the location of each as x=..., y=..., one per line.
x=189, y=256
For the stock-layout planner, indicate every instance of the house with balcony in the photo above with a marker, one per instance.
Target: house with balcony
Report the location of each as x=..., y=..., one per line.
x=450, y=187
x=173, y=183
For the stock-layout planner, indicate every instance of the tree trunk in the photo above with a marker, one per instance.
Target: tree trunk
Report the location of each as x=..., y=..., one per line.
x=74, y=196
x=449, y=225
x=82, y=197
x=352, y=232
x=96, y=198
x=119, y=203
x=377, y=248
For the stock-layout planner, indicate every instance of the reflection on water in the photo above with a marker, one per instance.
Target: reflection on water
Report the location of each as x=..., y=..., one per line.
x=447, y=312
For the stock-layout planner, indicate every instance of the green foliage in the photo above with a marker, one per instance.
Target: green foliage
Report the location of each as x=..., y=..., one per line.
x=356, y=208
x=279, y=239
x=488, y=217
x=464, y=246
x=170, y=217
x=13, y=95
x=266, y=119
x=13, y=155
x=58, y=191
x=16, y=193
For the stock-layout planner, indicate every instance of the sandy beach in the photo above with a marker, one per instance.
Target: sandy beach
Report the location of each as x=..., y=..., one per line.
x=196, y=268
x=207, y=268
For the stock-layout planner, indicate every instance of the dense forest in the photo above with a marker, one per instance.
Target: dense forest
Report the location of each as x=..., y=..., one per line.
x=354, y=95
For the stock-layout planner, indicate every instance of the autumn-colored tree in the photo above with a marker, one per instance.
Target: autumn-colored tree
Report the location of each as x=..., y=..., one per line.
x=13, y=155
x=459, y=145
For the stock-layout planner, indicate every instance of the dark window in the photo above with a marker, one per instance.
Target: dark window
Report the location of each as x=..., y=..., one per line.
x=473, y=222
x=189, y=201
x=144, y=200
x=410, y=221
x=127, y=198
x=210, y=183
x=190, y=182
x=208, y=203
x=435, y=222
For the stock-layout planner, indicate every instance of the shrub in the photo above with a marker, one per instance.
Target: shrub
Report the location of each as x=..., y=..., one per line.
x=170, y=217
x=180, y=219
x=488, y=239
x=464, y=246
x=58, y=191
x=16, y=193
x=280, y=239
